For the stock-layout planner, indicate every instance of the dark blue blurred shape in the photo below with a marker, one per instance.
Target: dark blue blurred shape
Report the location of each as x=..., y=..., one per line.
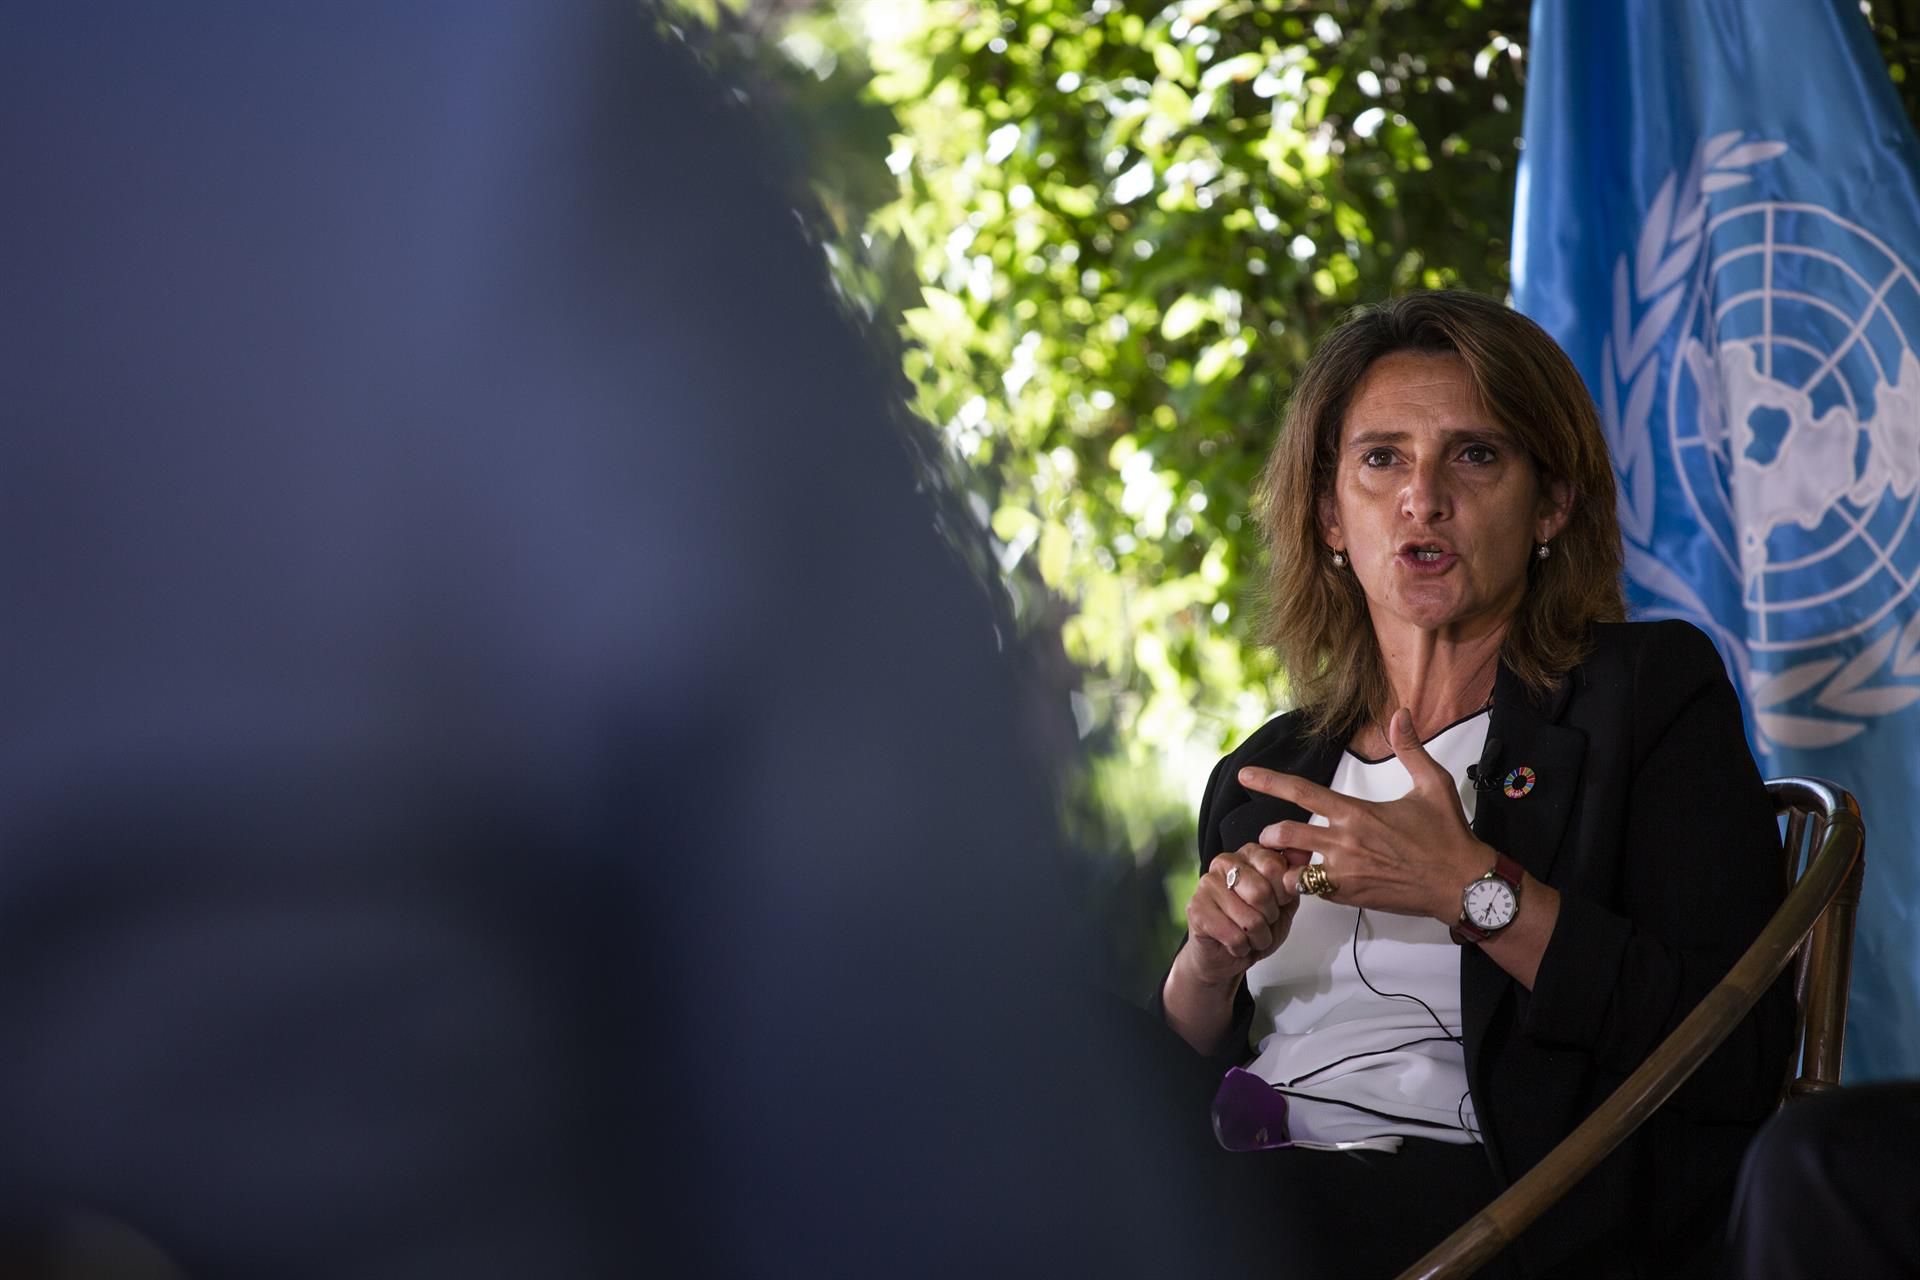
x=500, y=776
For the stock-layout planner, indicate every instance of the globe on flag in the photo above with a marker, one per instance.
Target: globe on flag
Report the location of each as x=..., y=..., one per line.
x=1719, y=218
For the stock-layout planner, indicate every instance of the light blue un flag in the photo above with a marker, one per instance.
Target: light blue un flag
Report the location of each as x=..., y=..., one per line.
x=1719, y=219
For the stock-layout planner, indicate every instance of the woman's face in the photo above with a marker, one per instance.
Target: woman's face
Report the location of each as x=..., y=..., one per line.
x=1437, y=507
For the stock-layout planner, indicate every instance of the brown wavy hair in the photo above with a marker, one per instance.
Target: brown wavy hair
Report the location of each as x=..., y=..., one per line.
x=1316, y=615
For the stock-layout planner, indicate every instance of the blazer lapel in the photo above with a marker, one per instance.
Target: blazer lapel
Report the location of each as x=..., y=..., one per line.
x=1525, y=821
x=1526, y=827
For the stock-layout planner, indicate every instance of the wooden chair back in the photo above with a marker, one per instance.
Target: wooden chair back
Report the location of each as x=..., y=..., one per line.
x=1823, y=858
x=1824, y=966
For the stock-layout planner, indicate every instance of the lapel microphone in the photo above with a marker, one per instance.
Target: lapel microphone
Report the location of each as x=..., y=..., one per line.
x=1481, y=775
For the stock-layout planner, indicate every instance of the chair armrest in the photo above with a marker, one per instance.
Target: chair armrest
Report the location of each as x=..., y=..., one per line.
x=1665, y=1070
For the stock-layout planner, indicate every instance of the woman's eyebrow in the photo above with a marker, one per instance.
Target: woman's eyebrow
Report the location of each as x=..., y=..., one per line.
x=1492, y=432
x=1376, y=438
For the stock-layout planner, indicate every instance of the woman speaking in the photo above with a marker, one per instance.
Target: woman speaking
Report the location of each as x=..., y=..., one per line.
x=1502, y=845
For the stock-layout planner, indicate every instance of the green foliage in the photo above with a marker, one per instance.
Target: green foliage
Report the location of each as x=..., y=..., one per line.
x=1129, y=225
x=1896, y=26
x=1102, y=236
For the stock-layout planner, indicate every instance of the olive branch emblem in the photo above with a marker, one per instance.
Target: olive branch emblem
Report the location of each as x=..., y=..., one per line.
x=1649, y=288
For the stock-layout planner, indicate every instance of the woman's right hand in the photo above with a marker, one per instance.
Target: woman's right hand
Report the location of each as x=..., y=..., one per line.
x=1230, y=929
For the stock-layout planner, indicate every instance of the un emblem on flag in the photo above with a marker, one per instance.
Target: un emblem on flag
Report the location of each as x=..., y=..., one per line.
x=1762, y=363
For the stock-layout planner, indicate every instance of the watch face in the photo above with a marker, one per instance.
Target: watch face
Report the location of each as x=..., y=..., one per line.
x=1491, y=904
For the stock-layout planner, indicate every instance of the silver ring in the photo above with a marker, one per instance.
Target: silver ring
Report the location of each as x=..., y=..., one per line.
x=1233, y=875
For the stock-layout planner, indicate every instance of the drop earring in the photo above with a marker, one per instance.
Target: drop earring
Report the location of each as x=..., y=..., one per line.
x=1339, y=559
x=1542, y=551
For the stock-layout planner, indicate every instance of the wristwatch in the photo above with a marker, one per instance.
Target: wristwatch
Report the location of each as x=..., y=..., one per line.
x=1490, y=903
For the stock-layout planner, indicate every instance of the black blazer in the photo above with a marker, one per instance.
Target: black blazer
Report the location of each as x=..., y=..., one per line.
x=1649, y=817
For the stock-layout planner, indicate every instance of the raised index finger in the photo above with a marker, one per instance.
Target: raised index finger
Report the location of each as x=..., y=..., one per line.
x=1310, y=796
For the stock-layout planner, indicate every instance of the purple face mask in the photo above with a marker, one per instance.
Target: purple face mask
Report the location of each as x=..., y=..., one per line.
x=1249, y=1114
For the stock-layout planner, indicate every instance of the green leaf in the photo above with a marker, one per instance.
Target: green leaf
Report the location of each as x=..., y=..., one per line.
x=1184, y=316
x=1235, y=70
x=1010, y=524
x=1170, y=62
x=1075, y=202
x=1220, y=359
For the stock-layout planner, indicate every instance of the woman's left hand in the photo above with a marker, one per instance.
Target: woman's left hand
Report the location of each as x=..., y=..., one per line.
x=1410, y=856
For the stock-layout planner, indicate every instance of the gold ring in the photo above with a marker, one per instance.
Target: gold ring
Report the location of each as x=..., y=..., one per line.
x=1315, y=882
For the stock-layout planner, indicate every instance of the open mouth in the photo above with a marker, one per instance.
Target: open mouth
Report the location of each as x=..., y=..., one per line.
x=1424, y=552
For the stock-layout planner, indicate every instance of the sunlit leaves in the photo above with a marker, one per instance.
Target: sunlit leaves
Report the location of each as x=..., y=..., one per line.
x=1183, y=317
x=1107, y=234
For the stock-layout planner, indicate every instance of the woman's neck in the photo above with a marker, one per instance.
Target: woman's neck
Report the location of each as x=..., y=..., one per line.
x=1441, y=680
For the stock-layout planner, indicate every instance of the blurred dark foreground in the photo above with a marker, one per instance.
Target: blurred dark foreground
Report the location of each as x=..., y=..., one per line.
x=500, y=776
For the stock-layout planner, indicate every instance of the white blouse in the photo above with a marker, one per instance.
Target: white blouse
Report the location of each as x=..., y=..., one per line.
x=1338, y=1011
